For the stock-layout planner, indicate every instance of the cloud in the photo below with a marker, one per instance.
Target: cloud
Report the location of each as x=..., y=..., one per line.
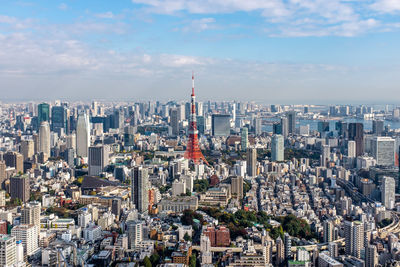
x=200, y=25
x=106, y=15
x=63, y=6
x=386, y=6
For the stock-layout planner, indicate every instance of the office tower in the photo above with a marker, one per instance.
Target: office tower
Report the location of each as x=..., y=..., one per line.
x=98, y=159
x=325, y=155
x=7, y=250
x=220, y=125
x=193, y=152
x=377, y=127
x=116, y=207
x=329, y=231
x=291, y=116
x=44, y=138
x=371, y=256
x=43, y=113
x=383, y=150
x=244, y=138
x=3, y=174
x=19, y=187
x=388, y=192
x=354, y=237
x=284, y=127
x=257, y=126
x=323, y=126
x=277, y=148
x=237, y=186
x=199, y=109
x=280, y=251
x=135, y=233
x=351, y=149
x=174, y=121
x=251, y=162
x=28, y=235
x=201, y=124
x=59, y=118
x=82, y=135
x=27, y=149
x=129, y=136
x=181, y=112
x=356, y=133
x=14, y=160
x=288, y=246
x=205, y=249
x=69, y=156
x=139, y=188
x=118, y=119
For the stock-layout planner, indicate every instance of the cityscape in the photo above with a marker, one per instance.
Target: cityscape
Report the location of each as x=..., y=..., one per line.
x=182, y=133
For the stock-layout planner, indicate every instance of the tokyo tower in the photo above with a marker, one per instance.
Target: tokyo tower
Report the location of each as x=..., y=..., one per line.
x=193, y=151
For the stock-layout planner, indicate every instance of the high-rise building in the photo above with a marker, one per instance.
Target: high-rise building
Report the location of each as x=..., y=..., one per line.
x=98, y=159
x=3, y=174
x=251, y=162
x=7, y=250
x=27, y=149
x=388, y=192
x=59, y=119
x=43, y=113
x=257, y=124
x=325, y=260
x=354, y=237
x=356, y=133
x=82, y=135
x=237, y=186
x=277, y=148
x=383, y=150
x=14, y=160
x=244, y=138
x=44, y=138
x=284, y=125
x=135, y=233
x=291, y=116
x=329, y=231
x=174, y=121
x=280, y=251
x=139, y=188
x=351, y=149
x=19, y=187
x=28, y=235
x=220, y=125
x=116, y=208
x=288, y=246
x=325, y=155
x=205, y=249
x=371, y=256
x=377, y=127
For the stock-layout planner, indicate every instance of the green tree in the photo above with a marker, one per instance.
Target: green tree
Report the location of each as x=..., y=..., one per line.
x=147, y=262
x=192, y=261
x=155, y=259
x=187, y=237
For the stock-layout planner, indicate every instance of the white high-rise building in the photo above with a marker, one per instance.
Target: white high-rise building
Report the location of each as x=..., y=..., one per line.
x=383, y=150
x=351, y=149
x=44, y=138
x=277, y=148
x=7, y=250
x=205, y=248
x=82, y=135
x=135, y=233
x=354, y=237
x=388, y=192
x=29, y=237
x=84, y=218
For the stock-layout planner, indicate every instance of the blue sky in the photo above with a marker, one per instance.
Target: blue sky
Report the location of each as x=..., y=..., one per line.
x=270, y=51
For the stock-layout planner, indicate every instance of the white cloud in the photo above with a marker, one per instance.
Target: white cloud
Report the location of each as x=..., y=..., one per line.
x=200, y=25
x=106, y=15
x=386, y=6
x=63, y=6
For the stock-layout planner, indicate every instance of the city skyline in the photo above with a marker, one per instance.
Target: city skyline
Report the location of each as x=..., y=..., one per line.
x=274, y=52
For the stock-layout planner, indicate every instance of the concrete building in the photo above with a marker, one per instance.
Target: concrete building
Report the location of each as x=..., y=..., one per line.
x=82, y=135
x=28, y=235
x=98, y=159
x=251, y=162
x=388, y=188
x=277, y=147
x=7, y=250
x=383, y=150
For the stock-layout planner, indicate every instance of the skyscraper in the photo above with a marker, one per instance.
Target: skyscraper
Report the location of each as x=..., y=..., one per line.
x=59, y=119
x=325, y=155
x=237, y=186
x=257, y=126
x=371, y=256
x=351, y=149
x=135, y=233
x=288, y=246
x=291, y=116
x=354, y=237
x=280, y=251
x=174, y=121
x=388, y=192
x=139, y=188
x=277, y=148
x=27, y=148
x=205, y=249
x=244, y=138
x=252, y=162
x=19, y=187
x=383, y=150
x=356, y=133
x=14, y=159
x=82, y=135
x=328, y=231
x=284, y=126
x=220, y=125
x=44, y=138
x=98, y=159
x=377, y=127
x=43, y=113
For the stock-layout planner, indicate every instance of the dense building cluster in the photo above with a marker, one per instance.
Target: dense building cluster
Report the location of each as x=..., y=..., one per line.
x=109, y=183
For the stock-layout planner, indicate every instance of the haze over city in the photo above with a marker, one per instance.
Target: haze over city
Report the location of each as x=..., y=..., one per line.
x=269, y=51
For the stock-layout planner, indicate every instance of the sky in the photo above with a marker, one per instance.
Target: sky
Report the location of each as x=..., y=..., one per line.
x=267, y=51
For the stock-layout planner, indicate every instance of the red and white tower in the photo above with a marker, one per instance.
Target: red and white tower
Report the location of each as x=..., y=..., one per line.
x=193, y=151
